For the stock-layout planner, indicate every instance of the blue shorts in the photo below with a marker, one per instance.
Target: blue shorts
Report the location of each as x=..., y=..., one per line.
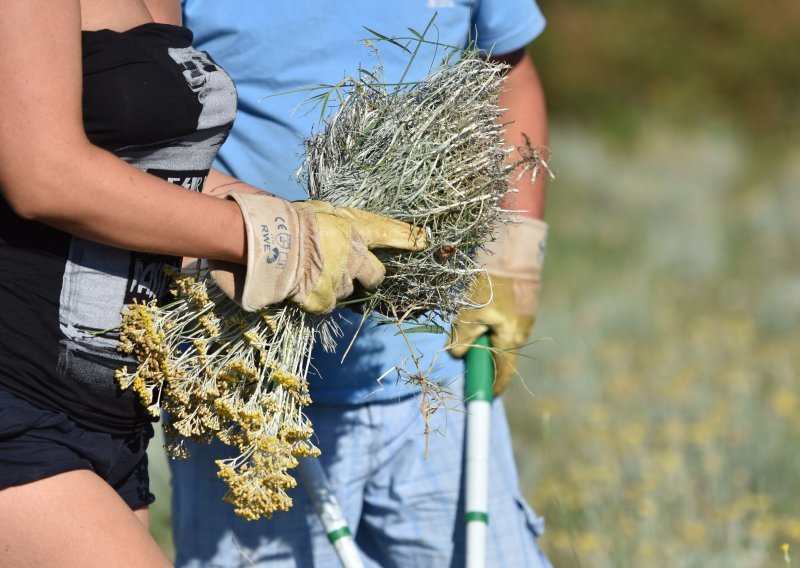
x=36, y=443
x=403, y=509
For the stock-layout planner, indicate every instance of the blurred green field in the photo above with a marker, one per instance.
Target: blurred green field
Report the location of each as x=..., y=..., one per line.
x=662, y=423
x=659, y=422
x=663, y=420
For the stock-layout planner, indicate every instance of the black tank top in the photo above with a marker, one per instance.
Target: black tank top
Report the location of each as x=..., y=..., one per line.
x=165, y=108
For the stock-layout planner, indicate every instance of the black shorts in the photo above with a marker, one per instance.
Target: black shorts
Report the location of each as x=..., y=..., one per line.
x=36, y=443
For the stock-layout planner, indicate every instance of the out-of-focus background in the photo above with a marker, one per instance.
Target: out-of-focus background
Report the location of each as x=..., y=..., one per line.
x=659, y=421
x=663, y=428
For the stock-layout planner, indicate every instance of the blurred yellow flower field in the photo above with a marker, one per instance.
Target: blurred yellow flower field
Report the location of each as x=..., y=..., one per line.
x=663, y=420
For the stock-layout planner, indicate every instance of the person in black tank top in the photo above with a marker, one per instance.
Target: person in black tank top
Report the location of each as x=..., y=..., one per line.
x=106, y=144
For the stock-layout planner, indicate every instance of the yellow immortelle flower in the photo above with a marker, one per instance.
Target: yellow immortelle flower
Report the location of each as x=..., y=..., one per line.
x=253, y=338
x=243, y=369
x=287, y=380
x=216, y=371
x=258, y=483
x=201, y=345
x=210, y=323
x=305, y=450
x=199, y=294
x=270, y=321
x=250, y=419
x=292, y=433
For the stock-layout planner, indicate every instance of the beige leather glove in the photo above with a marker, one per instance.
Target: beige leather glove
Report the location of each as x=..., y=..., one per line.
x=508, y=292
x=308, y=252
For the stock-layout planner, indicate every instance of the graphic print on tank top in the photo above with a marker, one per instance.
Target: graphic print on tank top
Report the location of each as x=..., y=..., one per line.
x=98, y=279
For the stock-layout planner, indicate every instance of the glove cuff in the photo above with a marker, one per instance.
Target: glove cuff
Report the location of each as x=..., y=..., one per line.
x=519, y=250
x=274, y=235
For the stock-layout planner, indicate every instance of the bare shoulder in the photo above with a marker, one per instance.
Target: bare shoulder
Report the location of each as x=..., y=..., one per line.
x=121, y=15
x=165, y=11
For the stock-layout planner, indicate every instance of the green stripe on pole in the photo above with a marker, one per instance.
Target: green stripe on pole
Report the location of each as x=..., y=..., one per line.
x=480, y=371
x=333, y=536
x=477, y=516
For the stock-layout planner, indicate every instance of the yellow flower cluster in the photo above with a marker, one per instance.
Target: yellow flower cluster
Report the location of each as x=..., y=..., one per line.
x=140, y=336
x=258, y=484
x=214, y=370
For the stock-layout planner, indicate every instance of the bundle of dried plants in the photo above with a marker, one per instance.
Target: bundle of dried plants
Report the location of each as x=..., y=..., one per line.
x=430, y=153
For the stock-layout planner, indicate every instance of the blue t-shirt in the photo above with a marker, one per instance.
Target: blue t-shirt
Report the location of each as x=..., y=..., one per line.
x=271, y=47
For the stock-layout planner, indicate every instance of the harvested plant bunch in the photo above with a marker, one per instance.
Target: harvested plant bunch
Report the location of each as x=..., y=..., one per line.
x=429, y=153
x=215, y=370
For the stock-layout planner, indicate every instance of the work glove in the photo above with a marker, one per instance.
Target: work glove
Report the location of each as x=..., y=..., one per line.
x=308, y=252
x=508, y=292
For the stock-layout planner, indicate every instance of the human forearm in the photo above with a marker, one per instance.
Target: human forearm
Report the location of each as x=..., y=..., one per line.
x=525, y=115
x=219, y=184
x=101, y=198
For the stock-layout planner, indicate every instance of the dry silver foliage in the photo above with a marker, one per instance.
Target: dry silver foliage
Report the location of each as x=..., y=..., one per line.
x=429, y=153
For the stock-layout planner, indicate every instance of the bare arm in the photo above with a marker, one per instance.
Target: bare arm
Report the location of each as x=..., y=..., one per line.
x=523, y=98
x=51, y=173
x=219, y=184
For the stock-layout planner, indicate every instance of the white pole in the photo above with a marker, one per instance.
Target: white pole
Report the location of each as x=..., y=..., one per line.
x=329, y=512
x=479, y=379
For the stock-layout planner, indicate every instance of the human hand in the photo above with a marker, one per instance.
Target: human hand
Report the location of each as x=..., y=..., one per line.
x=309, y=252
x=508, y=295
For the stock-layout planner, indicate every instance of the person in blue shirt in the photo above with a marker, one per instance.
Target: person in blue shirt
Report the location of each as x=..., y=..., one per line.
x=405, y=509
